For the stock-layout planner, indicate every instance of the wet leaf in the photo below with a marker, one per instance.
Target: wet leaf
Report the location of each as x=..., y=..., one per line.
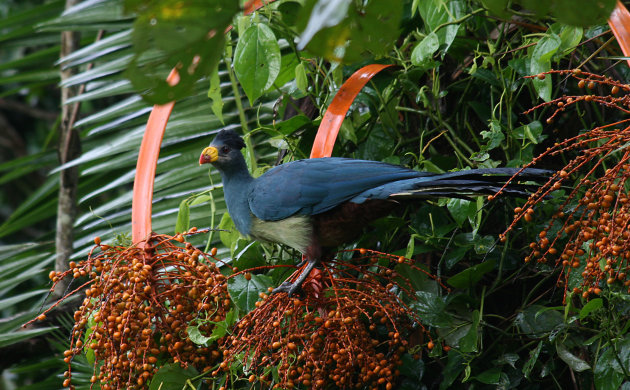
x=257, y=60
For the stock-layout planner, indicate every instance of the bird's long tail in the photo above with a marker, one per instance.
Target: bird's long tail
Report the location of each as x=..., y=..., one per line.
x=463, y=184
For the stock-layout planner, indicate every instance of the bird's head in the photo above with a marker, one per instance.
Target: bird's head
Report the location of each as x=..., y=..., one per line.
x=224, y=149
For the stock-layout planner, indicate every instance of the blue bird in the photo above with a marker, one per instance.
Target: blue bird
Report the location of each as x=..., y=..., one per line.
x=320, y=203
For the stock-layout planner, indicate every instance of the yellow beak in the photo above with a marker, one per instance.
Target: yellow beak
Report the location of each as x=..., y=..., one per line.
x=209, y=155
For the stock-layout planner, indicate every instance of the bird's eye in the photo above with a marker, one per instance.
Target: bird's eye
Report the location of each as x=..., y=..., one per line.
x=225, y=150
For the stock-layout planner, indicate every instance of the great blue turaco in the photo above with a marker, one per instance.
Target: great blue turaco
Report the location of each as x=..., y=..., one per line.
x=320, y=203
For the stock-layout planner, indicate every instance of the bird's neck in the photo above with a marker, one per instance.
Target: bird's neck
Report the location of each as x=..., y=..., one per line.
x=236, y=184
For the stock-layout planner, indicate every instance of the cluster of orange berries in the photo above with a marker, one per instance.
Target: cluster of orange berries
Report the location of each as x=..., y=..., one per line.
x=351, y=336
x=350, y=328
x=590, y=231
x=139, y=303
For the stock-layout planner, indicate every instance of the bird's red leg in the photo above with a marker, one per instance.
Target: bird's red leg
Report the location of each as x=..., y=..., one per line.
x=312, y=255
x=291, y=287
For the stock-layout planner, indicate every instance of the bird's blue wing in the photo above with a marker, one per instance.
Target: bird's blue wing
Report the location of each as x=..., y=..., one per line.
x=316, y=185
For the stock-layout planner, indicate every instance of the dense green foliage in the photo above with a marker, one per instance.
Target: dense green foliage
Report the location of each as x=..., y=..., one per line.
x=454, y=100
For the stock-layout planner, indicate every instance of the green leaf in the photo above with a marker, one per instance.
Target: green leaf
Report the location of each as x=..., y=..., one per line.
x=248, y=254
x=436, y=13
x=219, y=330
x=494, y=136
x=412, y=368
x=471, y=276
x=570, y=359
x=214, y=93
x=17, y=336
x=469, y=342
x=540, y=62
x=325, y=13
x=455, y=364
x=172, y=377
x=591, y=306
x=257, y=60
x=293, y=124
x=531, y=132
x=228, y=233
x=582, y=13
x=497, y=7
x=301, y=81
x=199, y=199
x=538, y=320
x=570, y=37
x=183, y=217
x=461, y=210
x=187, y=36
x=11, y=301
x=490, y=377
x=245, y=293
x=607, y=373
x=431, y=308
x=422, y=54
x=533, y=358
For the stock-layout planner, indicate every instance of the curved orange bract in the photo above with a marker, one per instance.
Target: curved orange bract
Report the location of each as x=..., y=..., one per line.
x=141, y=206
x=336, y=112
x=619, y=22
x=146, y=165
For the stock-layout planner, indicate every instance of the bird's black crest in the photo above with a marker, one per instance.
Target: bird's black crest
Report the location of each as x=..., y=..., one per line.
x=229, y=138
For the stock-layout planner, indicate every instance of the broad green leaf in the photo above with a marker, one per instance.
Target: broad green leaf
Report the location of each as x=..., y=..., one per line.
x=469, y=342
x=533, y=358
x=172, y=377
x=325, y=13
x=607, y=373
x=301, y=81
x=375, y=29
x=183, y=217
x=436, y=13
x=422, y=54
x=494, y=135
x=497, y=7
x=582, y=12
x=228, y=233
x=591, y=306
x=538, y=320
x=257, y=60
x=570, y=359
x=431, y=308
x=248, y=254
x=570, y=37
x=471, y=276
x=490, y=377
x=455, y=364
x=412, y=368
x=540, y=62
x=199, y=199
x=245, y=293
x=188, y=36
x=531, y=132
x=461, y=209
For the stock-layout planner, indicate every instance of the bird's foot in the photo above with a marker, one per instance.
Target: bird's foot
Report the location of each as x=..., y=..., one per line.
x=288, y=287
x=291, y=287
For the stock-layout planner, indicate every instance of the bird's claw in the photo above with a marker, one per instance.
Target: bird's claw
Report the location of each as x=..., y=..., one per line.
x=291, y=287
x=288, y=287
